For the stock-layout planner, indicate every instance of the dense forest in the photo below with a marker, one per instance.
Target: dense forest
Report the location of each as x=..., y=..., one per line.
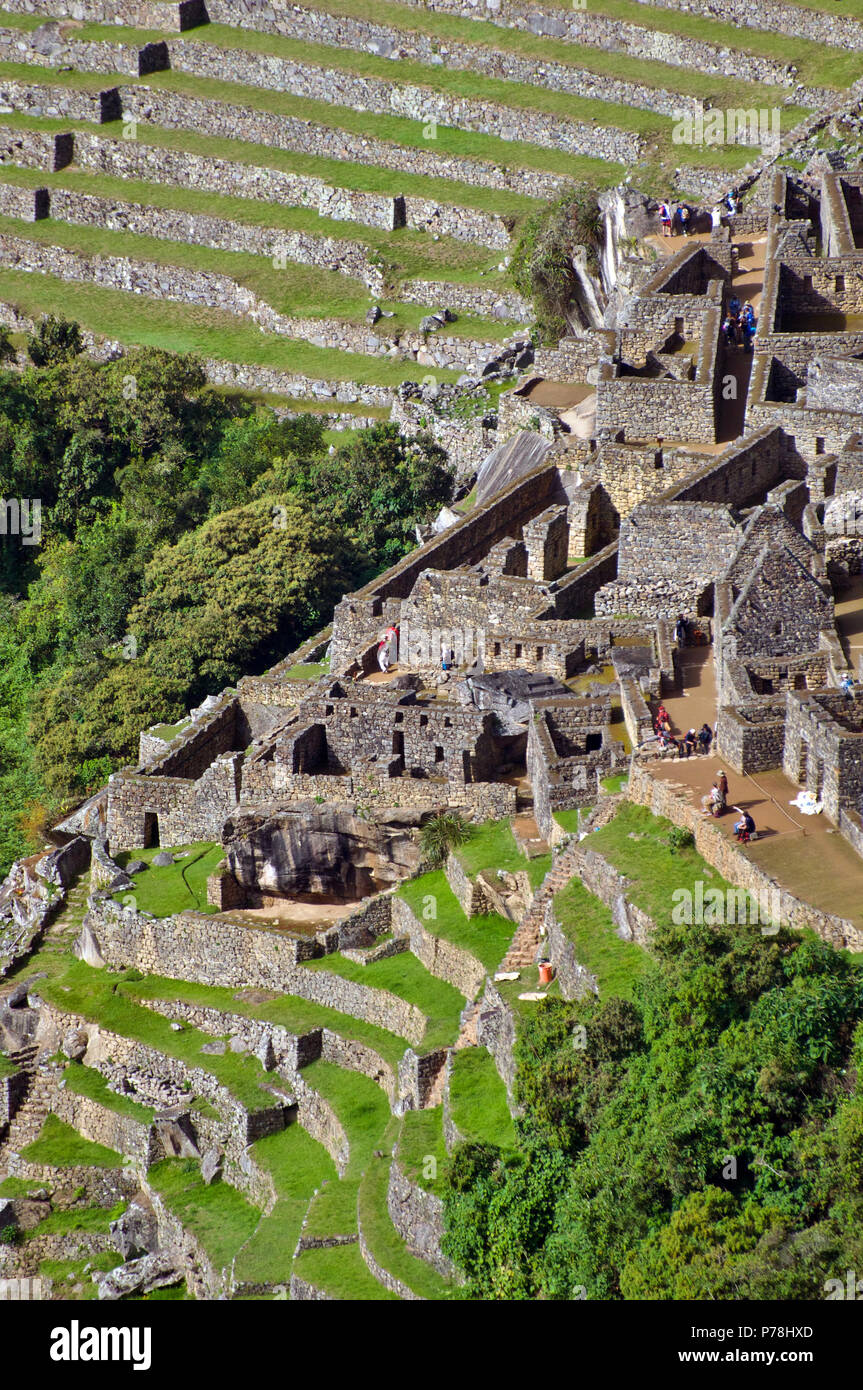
x=703, y=1141
x=186, y=537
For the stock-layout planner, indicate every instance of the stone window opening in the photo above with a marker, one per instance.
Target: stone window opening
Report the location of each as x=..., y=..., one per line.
x=497, y=648
x=539, y=653
x=819, y=444
x=840, y=284
x=777, y=629
x=424, y=719
x=438, y=753
x=518, y=651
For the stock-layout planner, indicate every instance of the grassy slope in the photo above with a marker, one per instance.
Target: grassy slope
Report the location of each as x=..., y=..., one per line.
x=86, y=1081
x=404, y=976
x=178, y=887
x=487, y=938
x=588, y=925
x=218, y=1216
x=478, y=1099
x=61, y=1146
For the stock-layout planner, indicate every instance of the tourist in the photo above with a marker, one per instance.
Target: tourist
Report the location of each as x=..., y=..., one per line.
x=713, y=804
x=662, y=719
x=705, y=738
x=665, y=218
x=734, y=306
x=690, y=740
x=722, y=784
x=716, y=216
x=683, y=214
x=846, y=685
x=681, y=631
x=744, y=828
x=729, y=328
x=731, y=202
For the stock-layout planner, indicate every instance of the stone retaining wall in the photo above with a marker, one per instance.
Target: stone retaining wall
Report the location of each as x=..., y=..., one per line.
x=179, y=112
x=418, y=1217
x=342, y=31
x=440, y=957
x=195, y=947
x=416, y=103
x=204, y=288
x=383, y=1276
x=320, y=1120
x=496, y=1031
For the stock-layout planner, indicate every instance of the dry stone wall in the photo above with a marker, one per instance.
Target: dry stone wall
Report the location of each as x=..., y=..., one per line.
x=418, y=1217
x=343, y=31
x=178, y=112
x=214, y=291
x=422, y=104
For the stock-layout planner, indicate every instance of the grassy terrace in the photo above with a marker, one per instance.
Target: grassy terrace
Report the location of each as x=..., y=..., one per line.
x=298, y=291
x=133, y=319
x=635, y=842
x=299, y=1166
x=178, y=887
x=342, y=1272
x=409, y=253
x=421, y=1153
x=816, y=64
x=478, y=1098
x=218, y=1215
x=395, y=130
x=7, y=1068
x=365, y=178
x=86, y=1081
x=453, y=82
x=296, y=1014
x=361, y=1106
x=406, y=977
x=493, y=846
x=383, y=1240
x=107, y=1000
x=587, y=924
x=61, y=1146
x=719, y=91
x=486, y=938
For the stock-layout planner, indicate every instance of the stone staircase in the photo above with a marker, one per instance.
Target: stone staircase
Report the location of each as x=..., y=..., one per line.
x=524, y=944
x=27, y=1124
x=24, y=1058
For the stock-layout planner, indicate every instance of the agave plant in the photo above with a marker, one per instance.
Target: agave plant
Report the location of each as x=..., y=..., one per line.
x=440, y=834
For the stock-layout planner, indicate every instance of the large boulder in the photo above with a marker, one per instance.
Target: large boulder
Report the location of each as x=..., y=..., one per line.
x=325, y=851
x=136, y=1232
x=137, y=1276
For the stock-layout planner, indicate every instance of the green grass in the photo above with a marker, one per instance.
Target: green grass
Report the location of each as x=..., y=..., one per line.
x=384, y=1241
x=20, y=1187
x=90, y=1219
x=298, y=1165
x=179, y=887
x=296, y=1014
x=334, y=1210
x=361, y=1106
x=615, y=783
x=7, y=1068
x=169, y=731
x=568, y=821
x=717, y=90
x=487, y=938
x=478, y=1099
x=86, y=1081
x=405, y=252
x=422, y=1151
x=655, y=870
x=72, y=986
x=218, y=1216
x=61, y=1146
x=342, y=1273
x=404, y=976
x=135, y=320
x=307, y=670
x=491, y=845
x=587, y=923
x=59, y=1271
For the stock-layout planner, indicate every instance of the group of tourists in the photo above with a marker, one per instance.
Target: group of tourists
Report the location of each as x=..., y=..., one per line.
x=675, y=221
x=715, y=804
x=739, y=325
x=692, y=741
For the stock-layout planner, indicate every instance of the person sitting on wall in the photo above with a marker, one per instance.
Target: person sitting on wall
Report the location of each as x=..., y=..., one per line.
x=705, y=738
x=662, y=720
x=713, y=804
x=744, y=828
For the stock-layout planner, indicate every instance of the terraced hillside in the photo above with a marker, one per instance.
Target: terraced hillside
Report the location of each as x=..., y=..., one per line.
x=263, y=1136
x=322, y=200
